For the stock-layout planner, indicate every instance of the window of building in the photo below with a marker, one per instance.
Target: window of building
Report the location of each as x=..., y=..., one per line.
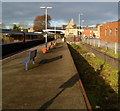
x=106, y=32
x=116, y=32
x=110, y=32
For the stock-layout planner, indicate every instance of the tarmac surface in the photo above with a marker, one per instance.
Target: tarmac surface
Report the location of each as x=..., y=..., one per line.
x=51, y=83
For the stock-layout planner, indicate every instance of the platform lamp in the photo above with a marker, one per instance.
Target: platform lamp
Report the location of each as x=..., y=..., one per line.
x=46, y=8
x=55, y=28
x=79, y=20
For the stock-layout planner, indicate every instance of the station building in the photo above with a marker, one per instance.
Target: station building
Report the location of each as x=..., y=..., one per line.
x=109, y=32
x=72, y=30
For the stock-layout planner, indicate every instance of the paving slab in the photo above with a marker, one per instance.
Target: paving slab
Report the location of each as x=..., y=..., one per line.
x=51, y=83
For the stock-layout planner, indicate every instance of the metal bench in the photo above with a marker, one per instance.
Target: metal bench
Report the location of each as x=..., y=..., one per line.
x=32, y=55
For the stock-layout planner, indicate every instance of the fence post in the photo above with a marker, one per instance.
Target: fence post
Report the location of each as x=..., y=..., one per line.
x=115, y=48
x=106, y=45
x=99, y=43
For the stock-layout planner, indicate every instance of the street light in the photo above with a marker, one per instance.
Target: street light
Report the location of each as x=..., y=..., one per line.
x=82, y=23
x=55, y=27
x=79, y=17
x=82, y=27
x=46, y=22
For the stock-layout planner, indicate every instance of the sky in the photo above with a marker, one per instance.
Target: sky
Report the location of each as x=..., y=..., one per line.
x=62, y=12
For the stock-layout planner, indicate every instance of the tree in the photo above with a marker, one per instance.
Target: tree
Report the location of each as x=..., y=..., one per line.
x=39, y=22
x=16, y=28
x=2, y=26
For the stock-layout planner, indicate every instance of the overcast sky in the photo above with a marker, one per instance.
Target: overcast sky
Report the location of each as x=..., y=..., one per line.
x=62, y=12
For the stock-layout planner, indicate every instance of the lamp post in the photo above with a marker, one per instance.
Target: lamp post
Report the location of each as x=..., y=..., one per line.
x=55, y=27
x=46, y=8
x=79, y=17
x=82, y=23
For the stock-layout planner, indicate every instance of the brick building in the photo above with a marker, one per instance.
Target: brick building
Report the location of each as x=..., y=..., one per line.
x=88, y=33
x=109, y=32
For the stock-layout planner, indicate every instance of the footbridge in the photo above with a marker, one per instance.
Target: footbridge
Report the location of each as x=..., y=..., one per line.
x=53, y=30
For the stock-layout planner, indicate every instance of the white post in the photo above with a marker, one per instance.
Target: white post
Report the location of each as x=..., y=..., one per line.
x=55, y=29
x=106, y=45
x=99, y=43
x=79, y=27
x=115, y=48
x=46, y=28
x=79, y=23
x=46, y=23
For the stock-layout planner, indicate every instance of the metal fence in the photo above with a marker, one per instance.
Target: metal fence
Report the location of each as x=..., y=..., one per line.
x=103, y=44
x=104, y=56
x=115, y=46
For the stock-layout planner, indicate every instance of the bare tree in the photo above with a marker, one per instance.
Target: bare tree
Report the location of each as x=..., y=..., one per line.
x=39, y=22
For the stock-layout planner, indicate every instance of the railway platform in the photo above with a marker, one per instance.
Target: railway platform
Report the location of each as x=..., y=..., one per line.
x=51, y=83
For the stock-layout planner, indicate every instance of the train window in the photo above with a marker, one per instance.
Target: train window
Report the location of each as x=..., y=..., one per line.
x=18, y=37
x=12, y=38
x=28, y=37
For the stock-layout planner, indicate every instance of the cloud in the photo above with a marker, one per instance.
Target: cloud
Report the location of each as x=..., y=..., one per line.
x=63, y=12
x=60, y=1
x=58, y=22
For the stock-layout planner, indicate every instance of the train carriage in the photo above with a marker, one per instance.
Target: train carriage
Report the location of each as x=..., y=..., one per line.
x=13, y=41
x=18, y=36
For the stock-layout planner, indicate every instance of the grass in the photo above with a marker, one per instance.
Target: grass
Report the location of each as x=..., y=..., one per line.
x=111, y=52
x=99, y=79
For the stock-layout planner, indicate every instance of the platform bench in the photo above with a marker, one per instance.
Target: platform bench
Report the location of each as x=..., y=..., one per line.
x=32, y=55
